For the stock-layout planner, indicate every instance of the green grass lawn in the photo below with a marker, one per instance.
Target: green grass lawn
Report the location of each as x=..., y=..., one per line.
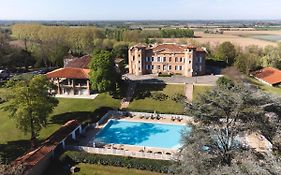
x=92, y=169
x=264, y=87
x=148, y=104
x=88, y=169
x=198, y=90
x=13, y=142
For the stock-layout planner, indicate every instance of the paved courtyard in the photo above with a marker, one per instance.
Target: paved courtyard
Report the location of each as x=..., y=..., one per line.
x=152, y=78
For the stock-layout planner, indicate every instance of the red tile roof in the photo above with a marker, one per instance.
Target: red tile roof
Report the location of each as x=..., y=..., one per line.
x=76, y=62
x=31, y=158
x=269, y=75
x=174, y=47
x=75, y=73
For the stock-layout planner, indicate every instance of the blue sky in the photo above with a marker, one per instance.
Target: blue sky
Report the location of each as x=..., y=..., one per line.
x=139, y=10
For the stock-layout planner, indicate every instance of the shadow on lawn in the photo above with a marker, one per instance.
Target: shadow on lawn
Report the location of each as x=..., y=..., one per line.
x=13, y=149
x=146, y=87
x=82, y=117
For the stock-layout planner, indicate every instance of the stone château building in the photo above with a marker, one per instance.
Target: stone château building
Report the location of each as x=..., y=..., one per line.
x=167, y=59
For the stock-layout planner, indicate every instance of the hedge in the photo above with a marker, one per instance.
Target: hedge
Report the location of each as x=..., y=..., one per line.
x=160, y=166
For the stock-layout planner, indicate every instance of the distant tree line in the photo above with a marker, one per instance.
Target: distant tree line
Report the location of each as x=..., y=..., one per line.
x=177, y=33
x=49, y=44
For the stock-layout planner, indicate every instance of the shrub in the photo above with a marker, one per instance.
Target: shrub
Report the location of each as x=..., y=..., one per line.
x=159, y=96
x=142, y=94
x=225, y=82
x=161, y=166
x=179, y=98
x=164, y=75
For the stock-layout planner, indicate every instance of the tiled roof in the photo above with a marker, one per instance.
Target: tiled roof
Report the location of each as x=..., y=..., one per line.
x=76, y=62
x=170, y=47
x=31, y=158
x=68, y=72
x=269, y=75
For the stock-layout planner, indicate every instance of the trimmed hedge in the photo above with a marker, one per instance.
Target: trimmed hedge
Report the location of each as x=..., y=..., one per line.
x=160, y=166
x=164, y=75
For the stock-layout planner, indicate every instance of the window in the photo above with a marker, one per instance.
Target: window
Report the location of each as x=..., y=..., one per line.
x=180, y=59
x=200, y=68
x=189, y=62
x=180, y=67
x=170, y=59
x=200, y=60
x=158, y=59
x=176, y=60
x=164, y=59
x=159, y=67
x=170, y=67
x=152, y=67
x=133, y=58
x=139, y=55
x=176, y=67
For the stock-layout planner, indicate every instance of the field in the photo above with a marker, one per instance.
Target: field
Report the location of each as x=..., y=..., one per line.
x=239, y=38
x=14, y=143
x=148, y=104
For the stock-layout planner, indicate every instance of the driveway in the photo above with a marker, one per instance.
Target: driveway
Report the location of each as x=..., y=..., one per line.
x=176, y=79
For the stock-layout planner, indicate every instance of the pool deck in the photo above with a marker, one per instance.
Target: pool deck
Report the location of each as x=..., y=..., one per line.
x=87, y=140
x=255, y=141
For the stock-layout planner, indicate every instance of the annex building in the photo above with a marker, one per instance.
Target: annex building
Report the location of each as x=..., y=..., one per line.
x=167, y=59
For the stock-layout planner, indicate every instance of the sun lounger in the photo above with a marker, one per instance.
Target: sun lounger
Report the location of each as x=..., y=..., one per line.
x=180, y=119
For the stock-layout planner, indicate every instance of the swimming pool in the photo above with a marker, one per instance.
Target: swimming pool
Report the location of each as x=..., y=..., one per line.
x=141, y=134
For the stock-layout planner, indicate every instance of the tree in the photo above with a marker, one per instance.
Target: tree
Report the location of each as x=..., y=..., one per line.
x=225, y=82
x=272, y=56
x=223, y=115
x=249, y=60
x=29, y=103
x=103, y=74
x=226, y=52
x=120, y=50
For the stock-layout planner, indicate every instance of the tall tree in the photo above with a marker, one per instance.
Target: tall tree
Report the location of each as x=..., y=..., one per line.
x=223, y=115
x=226, y=52
x=29, y=103
x=103, y=74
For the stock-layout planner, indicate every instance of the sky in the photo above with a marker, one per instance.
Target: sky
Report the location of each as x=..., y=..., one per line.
x=139, y=10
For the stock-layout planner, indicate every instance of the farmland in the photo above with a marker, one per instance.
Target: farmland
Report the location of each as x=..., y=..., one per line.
x=239, y=38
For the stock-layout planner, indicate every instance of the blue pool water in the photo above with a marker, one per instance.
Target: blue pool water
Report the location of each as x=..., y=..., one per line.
x=142, y=134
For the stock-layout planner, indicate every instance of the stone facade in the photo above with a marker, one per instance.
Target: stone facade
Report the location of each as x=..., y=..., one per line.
x=167, y=59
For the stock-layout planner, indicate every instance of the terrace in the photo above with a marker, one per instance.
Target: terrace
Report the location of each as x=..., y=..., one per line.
x=135, y=134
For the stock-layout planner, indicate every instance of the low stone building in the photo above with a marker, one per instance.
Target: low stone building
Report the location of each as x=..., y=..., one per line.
x=36, y=161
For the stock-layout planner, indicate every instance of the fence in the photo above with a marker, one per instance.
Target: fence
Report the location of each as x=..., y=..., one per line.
x=116, y=152
x=145, y=114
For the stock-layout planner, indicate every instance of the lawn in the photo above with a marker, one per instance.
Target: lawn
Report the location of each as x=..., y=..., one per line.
x=91, y=169
x=13, y=142
x=148, y=104
x=88, y=169
x=264, y=87
x=198, y=90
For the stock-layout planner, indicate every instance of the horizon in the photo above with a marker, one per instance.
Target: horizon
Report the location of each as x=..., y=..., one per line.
x=164, y=10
